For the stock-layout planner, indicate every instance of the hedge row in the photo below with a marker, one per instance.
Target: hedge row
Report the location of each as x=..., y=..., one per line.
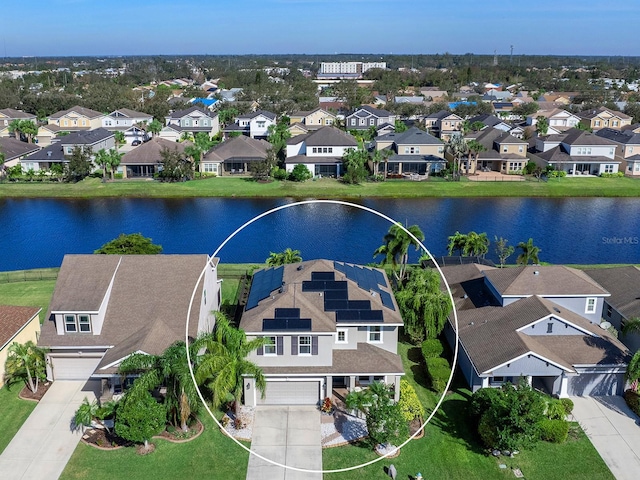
x=633, y=400
x=438, y=371
x=554, y=431
x=432, y=348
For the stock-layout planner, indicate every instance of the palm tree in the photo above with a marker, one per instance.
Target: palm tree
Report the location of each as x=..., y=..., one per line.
x=2, y=160
x=542, y=125
x=283, y=258
x=529, y=253
x=102, y=160
x=171, y=371
x=85, y=414
x=396, y=248
x=632, y=374
x=194, y=153
x=115, y=158
x=14, y=127
x=631, y=326
x=476, y=244
x=456, y=146
x=154, y=127
x=475, y=147
x=120, y=139
x=25, y=362
x=29, y=128
x=223, y=365
x=457, y=242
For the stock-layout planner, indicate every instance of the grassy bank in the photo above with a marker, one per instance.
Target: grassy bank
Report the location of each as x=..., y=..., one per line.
x=13, y=412
x=326, y=188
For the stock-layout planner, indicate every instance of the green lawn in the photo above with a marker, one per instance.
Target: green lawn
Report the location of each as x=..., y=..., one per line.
x=449, y=449
x=31, y=293
x=211, y=455
x=329, y=188
x=13, y=413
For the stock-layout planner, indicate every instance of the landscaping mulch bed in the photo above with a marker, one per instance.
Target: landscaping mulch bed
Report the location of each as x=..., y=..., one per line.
x=178, y=436
x=27, y=394
x=415, y=424
x=103, y=439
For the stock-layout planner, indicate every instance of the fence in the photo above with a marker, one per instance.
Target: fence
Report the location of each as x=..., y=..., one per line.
x=29, y=275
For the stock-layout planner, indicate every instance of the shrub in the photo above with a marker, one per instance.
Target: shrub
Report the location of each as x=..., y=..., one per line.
x=432, y=348
x=530, y=167
x=300, y=173
x=568, y=405
x=409, y=404
x=557, y=173
x=279, y=173
x=481, y=401
x=118, y=176
x=633, y=400
x=327, y=406
x=554, y=431
x=612, y=175
x=438, y=371
x=555, y=410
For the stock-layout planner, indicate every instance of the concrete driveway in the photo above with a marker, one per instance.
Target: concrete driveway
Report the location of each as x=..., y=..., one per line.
x=43, y=445
x=614, y=430
x=287, y=435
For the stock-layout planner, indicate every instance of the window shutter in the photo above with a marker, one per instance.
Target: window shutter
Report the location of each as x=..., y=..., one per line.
x=279, y=346
x=314, y=345
x=294, y=345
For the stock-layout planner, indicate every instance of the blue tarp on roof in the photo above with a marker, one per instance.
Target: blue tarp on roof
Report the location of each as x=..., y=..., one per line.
x=207, y=102
x=453, y=105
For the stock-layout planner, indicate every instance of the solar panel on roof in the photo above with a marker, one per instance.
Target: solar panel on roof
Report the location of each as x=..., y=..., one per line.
x=359, y=305
x=386, y=300
x=263, y=283
x=332, y=305
x=380, y=280
x=322, y=276
x=336, y=294
x=286, y=324
x=338, y=266
x=287, y=313
x=371, y=315
x=347, y=316
x=312, y=286
x=336, y=285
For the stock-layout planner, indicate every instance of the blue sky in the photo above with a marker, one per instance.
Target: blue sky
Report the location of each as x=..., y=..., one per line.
x=129, y=27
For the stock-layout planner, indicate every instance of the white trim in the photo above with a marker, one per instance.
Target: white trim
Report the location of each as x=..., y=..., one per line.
x=275, y=346
x=490, y=371
x=346, y=336
x=120, y=360
x=568, y=295
x=327, y=374
x=21, y=329
x=586, y=305
x=77, y=312
x=369, y=327
x=351, y=324
x=550, y=316
x=310, y=345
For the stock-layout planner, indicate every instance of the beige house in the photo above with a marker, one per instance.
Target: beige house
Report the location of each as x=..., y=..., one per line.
x=502, y=152
x=411, y=152
x=298, y=129
x=603, y=117
x=313, y=119
x=19, y=325
x=443, y=124
x=628, y=152
x=8, y=115
x=77, y=118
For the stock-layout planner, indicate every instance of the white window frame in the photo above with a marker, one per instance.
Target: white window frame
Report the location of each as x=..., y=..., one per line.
x=346, y=335
x=80, y=323
x=305, y=344
x=372, y=332
x=269, y=353
x=590, y=305
x=72, y=323
x=84, y=321
x=608, y=168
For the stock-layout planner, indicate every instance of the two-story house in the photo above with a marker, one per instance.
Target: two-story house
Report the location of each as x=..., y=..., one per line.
x=15, y=150
x=255, y=124
x=489, y=120
x=76, y=119
x=190, y=121
x=329, y=325
x=502, y=152
x=131, y=123
x=540, y=323
x=603, y=117
x=577, y=152
x=8, y=115
x=411, y=152
x=320, y=151
x=145, y=161
x=106, y=307
x=443, y=124
x=312, y=120
x=628, y=151
x=559, y=120
x=365, y=117
x=62, y=148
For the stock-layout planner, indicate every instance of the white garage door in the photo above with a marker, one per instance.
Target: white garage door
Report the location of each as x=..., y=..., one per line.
x=596, y=384
x=290, y=393
x=73, y=367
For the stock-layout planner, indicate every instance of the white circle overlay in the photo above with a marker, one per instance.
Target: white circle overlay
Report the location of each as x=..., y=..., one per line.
x=393, y=222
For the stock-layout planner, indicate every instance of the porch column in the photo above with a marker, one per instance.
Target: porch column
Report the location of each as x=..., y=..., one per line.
x=352, y=382
x=529, y=379
x=574, y=169
x=564, y=386
x=400, y=168
x=328, y=386
x=245, y=167
x=396, y=393
x=485, y=382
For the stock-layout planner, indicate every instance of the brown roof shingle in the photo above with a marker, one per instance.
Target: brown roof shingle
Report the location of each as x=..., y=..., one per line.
x=13, y=319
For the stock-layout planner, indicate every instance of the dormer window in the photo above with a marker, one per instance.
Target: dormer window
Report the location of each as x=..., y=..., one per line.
x=77, y=323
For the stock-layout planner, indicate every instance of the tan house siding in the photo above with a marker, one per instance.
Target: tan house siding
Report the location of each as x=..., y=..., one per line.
x=30, y=331
x=520, y=150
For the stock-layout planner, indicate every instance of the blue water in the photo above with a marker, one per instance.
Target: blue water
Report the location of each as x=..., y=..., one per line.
x=39, y=232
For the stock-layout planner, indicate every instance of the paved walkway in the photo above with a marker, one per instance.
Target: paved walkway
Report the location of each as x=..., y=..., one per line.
x=614, y=431
x=287, y=435
x=43, y=445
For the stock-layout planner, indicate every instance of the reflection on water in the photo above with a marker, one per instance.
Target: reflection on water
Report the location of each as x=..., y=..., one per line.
x=38, y=232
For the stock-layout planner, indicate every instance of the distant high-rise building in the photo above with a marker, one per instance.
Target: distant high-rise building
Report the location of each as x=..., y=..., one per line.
x=347, y=69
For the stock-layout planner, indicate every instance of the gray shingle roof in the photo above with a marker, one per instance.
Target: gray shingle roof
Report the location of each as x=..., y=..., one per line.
x=183, y=113
x=327, y=137
x=86, y=137
x=626, y=137
x=589, y=114
x=257, y=113
x=149, y=152
x=624, y=285
x=17, y=114
x=239, y=147
x=366, y=111
x=86, y=112
x=13, y=148
x=412, y=136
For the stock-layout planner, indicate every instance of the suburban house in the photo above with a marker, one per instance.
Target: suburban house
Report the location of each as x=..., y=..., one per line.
x=330, y=326
x=191, y=121
x=59, y=151
x=540, y=323
x=145, y=160
x=47, y=134
x=411, y=152
x=131, y=123
x=489, y=120
x=504, y=110
x=8, y=115
x=314, y=119
x=365, y=117
x=255, y=124
x=298, y=129
x=502, y=152
x=320, y=151
x=623, y=283
x=603, y=117
x=107, y=307
x=628, y=151
x=14, y=150
x=432, y=94
x=443, y=124
x=76, y=118
x=559, y=120
x=17, y=325
x=577, y=152
x=234, y=155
